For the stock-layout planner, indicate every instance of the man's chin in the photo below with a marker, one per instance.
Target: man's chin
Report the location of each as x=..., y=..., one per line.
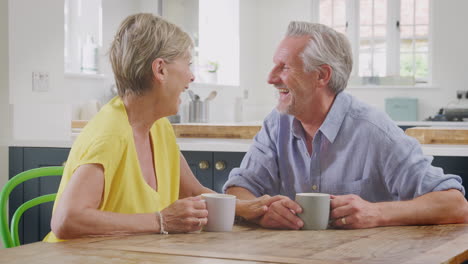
x=283, y=108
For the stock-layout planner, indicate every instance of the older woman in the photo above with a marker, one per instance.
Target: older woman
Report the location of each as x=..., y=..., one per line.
x=125, y=172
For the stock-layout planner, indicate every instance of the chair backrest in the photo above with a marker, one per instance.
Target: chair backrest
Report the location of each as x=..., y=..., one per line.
x=10, y=236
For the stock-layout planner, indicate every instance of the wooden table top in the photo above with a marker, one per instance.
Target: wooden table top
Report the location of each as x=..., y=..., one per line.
x=251, y=244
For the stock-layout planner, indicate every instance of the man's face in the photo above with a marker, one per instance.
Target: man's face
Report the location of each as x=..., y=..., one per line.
x=295, y=86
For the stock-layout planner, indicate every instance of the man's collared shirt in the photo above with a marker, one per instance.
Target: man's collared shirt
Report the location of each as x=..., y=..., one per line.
x=357, y=150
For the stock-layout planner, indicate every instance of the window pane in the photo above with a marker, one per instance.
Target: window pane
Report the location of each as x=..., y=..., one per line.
x=422, y=45
x=339, y=13
x=422, y=12
x=380, y=64
x=365, y=31
x=365, y=12
x=406, y=12
x=380, y=46
x=406, y=32
x=341, y=29
x=406, y=64
x=406, y=45
x=326, y=12
x=422, y=31
x=365, y=46
x=380, y=12
x=365, y=64
x=422, y=66
x=380, y=31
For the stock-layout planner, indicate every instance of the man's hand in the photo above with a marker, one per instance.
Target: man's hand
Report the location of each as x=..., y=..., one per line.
x=351, y=211
x=281, y=214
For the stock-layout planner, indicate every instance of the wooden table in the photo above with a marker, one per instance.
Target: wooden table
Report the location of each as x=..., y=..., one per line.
x=250, y=244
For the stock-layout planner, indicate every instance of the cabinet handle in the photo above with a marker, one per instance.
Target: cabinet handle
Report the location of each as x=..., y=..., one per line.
x=220, y=165
x=204, y=165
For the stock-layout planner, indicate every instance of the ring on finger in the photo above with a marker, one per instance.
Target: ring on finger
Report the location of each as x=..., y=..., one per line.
x=199, y=222
x=343, y=220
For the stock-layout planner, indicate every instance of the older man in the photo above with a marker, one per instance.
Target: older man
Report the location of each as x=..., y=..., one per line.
x=321, y=139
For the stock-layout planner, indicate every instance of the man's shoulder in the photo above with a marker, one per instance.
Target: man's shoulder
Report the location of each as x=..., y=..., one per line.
x=368, y=118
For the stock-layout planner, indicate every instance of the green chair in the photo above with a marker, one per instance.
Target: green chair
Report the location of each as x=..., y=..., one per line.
x=10, y=236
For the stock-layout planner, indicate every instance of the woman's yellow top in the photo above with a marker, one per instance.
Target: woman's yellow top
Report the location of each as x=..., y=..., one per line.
x=108, y=140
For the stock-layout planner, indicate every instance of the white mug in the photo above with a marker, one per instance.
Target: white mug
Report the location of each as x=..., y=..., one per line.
x=221, y=211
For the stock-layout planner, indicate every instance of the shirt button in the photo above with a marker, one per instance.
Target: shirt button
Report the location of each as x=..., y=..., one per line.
x=314, y=187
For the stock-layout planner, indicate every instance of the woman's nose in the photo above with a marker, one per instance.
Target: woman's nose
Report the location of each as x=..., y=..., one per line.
x=192, y=78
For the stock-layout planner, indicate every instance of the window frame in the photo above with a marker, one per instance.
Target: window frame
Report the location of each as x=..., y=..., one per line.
x=392, y=43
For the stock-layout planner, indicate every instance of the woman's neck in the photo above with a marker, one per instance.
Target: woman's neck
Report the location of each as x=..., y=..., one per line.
x=142, y=113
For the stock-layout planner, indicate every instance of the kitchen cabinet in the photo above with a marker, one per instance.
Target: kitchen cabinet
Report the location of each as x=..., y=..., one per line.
x=212, y=168
x=35, y=223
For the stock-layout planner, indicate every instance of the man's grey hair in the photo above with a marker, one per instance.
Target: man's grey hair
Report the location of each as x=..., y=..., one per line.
x=326, y=46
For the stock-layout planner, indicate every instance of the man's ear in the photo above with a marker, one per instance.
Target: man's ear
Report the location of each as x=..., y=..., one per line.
x=159, y=69
x=325, y=74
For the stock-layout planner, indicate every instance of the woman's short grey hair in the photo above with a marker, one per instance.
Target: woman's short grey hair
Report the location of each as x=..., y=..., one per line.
x=326, y=46
x=140, y=39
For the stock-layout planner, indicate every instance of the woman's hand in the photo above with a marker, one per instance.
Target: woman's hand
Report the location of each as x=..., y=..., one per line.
x=185, y=215
x=254, y=208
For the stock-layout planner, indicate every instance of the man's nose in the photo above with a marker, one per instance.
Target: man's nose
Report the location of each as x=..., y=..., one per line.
x=273, y=77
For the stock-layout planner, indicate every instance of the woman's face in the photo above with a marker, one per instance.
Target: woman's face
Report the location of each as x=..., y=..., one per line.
x=179, y=78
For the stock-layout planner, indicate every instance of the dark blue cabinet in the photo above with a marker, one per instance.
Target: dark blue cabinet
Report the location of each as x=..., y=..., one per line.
x=212, y=168
x=35, y=223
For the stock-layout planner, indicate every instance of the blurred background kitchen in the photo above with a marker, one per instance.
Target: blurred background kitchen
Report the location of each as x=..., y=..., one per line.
x=410, y=58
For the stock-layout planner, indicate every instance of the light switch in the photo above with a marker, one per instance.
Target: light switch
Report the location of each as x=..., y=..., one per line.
x=40, y=81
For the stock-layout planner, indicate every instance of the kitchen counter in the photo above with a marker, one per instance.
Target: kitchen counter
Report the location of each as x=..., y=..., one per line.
x=242, y=145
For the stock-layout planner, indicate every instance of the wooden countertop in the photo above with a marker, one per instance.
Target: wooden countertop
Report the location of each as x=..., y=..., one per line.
x=439, y=135
x=251, y=244
x=204, y=130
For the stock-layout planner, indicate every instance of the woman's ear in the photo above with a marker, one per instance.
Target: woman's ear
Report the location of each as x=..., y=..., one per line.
x=159, y=69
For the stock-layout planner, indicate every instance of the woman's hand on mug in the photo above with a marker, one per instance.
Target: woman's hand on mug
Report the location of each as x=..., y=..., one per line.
x=255, y=208
x=185, y=215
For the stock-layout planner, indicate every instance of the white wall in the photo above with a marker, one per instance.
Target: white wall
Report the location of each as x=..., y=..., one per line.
x=268, y=21
x=36, y=42
x=36, y=38
x=4, y=105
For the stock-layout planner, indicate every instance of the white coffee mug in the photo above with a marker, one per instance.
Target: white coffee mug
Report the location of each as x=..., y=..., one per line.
x=221, y=211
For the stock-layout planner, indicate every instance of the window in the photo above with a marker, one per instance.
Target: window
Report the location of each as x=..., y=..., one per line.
x=390, y=38
x=83, y=35
x=214, y=27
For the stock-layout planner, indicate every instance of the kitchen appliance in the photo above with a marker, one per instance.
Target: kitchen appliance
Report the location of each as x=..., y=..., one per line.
x=450, y=114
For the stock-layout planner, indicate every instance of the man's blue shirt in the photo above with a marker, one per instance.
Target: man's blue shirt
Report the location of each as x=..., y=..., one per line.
x=357, y=150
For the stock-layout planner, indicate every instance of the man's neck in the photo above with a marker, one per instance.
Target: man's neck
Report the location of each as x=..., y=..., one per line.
x=312, y=120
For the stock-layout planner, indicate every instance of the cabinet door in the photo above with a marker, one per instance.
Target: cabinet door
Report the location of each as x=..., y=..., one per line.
x=35, y=223
x=224, y=162
x=201, y=164
x=454, y=165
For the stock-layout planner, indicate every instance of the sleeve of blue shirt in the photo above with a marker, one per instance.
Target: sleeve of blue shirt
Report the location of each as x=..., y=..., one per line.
x=408, y=173
x=258, y=171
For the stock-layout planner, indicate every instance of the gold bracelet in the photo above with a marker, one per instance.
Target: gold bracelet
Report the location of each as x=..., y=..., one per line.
x=161, y=224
